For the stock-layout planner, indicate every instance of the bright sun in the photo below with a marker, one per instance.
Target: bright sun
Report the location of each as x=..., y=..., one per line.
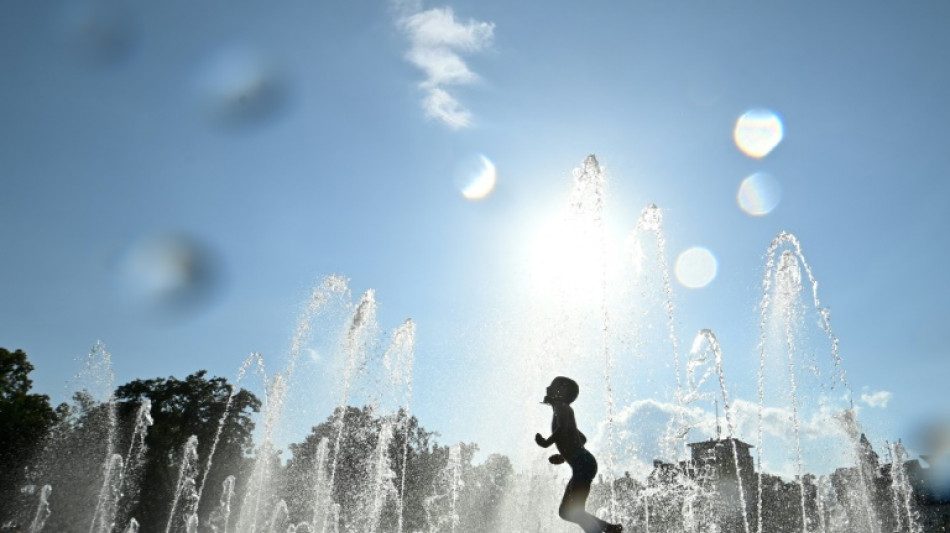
x=566, y=259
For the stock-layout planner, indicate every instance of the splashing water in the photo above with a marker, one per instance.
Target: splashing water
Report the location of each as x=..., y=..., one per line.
x=222, y=515
x=905, y=513
x=242, y=371
x=716, y=487
x=133, y=526
x=781, y=320
x=361, y=330
x=278, y=517
x=400, y=359
x=712, y=342
x=186, y=494
x=442, y=507
x=321, y=487
x=42, y=510
x=382, y=476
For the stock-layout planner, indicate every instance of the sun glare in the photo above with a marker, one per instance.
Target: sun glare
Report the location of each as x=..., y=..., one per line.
x=566, y=258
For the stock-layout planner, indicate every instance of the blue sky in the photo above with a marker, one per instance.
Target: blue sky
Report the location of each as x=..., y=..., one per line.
x=124, y=122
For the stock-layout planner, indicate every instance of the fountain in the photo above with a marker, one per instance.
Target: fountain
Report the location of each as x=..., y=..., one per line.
x=612, y=327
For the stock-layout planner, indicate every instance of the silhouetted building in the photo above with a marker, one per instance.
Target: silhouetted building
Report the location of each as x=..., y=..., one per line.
x=719, y=485
x=723, y=458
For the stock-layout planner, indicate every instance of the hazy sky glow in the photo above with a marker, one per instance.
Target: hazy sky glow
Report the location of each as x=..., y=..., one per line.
x=176, y=177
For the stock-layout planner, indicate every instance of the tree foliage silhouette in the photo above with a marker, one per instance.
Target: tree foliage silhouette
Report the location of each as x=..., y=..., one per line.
x=24, y=419
x=180, y=408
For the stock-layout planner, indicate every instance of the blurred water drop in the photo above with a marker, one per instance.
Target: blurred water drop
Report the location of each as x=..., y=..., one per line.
x=759, y=194
x=696, y=267
x=476, y=177
x=101, y=32
x=936, y=452
x=758, y=132
x=168, y=275
x=240, y=88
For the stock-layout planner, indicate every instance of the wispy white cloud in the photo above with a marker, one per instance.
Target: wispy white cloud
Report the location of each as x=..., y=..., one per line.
x=437, y=41
x=443, y=106
x=877, y=399
x=650, y=429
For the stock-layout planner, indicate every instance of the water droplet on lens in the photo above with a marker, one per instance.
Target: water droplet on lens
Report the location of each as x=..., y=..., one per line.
x=696, y=267
x=759, y=194
x=168, y=275
x=241, y=88
x=758, y=132
x=102, y=32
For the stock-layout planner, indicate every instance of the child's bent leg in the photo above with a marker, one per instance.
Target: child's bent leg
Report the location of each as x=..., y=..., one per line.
x=573, y=507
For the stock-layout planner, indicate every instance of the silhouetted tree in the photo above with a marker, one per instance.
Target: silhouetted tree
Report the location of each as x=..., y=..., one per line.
x=357, y=470
x=484, y=487
x=180, y=409
x=24, y=419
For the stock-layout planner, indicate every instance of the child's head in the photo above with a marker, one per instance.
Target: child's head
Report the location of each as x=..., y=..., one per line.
x=562, y=389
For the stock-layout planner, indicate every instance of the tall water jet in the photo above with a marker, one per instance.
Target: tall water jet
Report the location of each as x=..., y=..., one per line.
x=77, y=456
x=332, y=286
x=276, y=398
x=782, y=314
x=359, y=337
x=98, y=368
x=42, y=510
x=651, y=326
x=588, y=199
x=857, y=492
x=258, y=491
x=107, y=506
x=399, y=360
x=278, y=518
x=333, y=519
x=651, y=222
x=905, y=514
x=382, y=476
x=221, y=516
x=442, y=507
x=322, y=490
x=253, y=359
x=191, y=523
x=742, y=477
x=128, y=483
x=185, y=501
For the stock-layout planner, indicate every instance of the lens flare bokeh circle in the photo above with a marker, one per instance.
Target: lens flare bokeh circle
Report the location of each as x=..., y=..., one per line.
x=759, y=194
x=476, y=177
x=696, y=267
x=758, y=132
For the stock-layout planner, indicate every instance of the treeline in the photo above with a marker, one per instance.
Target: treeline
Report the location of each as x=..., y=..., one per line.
x=117, y=461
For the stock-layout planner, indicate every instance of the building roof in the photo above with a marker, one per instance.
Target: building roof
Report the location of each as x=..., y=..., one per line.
x=715, y=442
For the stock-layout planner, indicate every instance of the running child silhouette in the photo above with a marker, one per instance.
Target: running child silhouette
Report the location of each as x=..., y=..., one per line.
x=570, y=446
